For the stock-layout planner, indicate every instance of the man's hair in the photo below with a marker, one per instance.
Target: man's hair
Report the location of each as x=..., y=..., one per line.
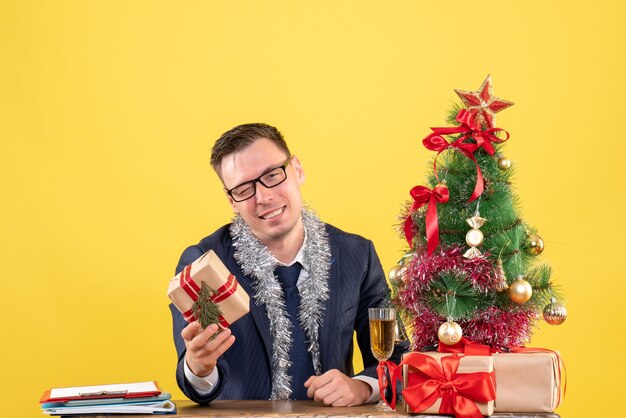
x=240, y=137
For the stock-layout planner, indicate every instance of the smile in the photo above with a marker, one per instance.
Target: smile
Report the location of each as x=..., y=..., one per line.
x=274, y=213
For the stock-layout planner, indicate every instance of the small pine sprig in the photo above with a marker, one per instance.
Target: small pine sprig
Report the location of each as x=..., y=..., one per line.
x=452, y=295
x=543, y=289
x=204, y=308
x=454, y=111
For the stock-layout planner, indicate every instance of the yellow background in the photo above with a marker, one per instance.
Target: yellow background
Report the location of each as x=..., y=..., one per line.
x=108, y=111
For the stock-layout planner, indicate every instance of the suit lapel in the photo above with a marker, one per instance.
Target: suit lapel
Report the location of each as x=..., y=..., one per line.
x=326, y=330
x=258, y=312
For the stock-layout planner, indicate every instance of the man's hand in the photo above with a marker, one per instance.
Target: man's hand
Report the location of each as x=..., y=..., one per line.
x=336, y=389
x=202, y=351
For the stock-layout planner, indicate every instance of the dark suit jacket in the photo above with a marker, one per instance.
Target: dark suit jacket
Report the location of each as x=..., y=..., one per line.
x=356, y=283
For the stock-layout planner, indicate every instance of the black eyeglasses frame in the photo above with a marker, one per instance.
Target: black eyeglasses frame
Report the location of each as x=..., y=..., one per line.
x=258, y=180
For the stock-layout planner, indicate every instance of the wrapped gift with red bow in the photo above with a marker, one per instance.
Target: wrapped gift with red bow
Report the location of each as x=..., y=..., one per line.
x=231, y=299
x=443, y=383
x=528, y=379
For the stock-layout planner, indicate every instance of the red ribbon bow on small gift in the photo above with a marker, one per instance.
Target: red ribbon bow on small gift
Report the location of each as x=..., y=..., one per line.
x=469, y=129
x=459, y=392
x=192, y=289
x=422, y=195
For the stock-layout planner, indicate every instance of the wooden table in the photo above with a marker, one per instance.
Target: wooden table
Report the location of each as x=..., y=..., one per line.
x=302, y=409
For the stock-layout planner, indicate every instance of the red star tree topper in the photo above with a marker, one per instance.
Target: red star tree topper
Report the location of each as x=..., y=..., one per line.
x=483, y=104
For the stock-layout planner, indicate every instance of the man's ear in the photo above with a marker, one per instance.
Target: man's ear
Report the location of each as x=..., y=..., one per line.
x=232, y=203
x=297, y=167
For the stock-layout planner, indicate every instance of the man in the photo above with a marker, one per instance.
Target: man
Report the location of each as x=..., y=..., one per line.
x=310, y=286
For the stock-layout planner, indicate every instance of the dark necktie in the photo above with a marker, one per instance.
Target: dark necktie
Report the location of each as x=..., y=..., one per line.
x=301, y=362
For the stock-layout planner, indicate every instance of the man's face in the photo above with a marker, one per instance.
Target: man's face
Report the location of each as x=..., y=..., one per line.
x=273, y=214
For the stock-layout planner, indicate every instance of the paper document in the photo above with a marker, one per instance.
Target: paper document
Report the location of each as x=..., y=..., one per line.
x=121, y=390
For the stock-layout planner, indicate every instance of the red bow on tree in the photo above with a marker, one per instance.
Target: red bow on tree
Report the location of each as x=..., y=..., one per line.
x=484, y=139
x=469, y=129
x=422, y=195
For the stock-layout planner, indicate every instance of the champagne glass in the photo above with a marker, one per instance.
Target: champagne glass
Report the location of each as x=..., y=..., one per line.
x=382, y=332
x=382, y=340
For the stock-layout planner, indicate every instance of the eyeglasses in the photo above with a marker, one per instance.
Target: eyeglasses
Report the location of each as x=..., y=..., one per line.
x=269, y=179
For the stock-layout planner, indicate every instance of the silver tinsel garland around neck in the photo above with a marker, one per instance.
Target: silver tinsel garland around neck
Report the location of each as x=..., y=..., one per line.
x=257, y=262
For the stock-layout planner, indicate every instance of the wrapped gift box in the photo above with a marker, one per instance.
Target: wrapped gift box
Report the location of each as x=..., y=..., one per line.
x=467, y=365
x=527, y=381
x=232, y=300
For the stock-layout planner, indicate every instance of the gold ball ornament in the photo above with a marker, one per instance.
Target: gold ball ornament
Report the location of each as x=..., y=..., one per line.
x=534, y=244
x=450, y=333
x=554, y=313
x=520, y=291
x=504, y=163
x=397, y=272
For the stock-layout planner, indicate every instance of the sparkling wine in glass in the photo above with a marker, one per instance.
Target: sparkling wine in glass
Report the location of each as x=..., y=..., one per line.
x=382, y=332
x=382, y=340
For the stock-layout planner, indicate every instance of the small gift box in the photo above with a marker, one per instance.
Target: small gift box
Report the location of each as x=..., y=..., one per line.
x=230, y=298
x=443, y=383
x=528, y=381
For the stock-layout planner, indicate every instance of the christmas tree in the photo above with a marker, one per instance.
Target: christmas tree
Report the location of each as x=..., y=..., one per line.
x=471, y=268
